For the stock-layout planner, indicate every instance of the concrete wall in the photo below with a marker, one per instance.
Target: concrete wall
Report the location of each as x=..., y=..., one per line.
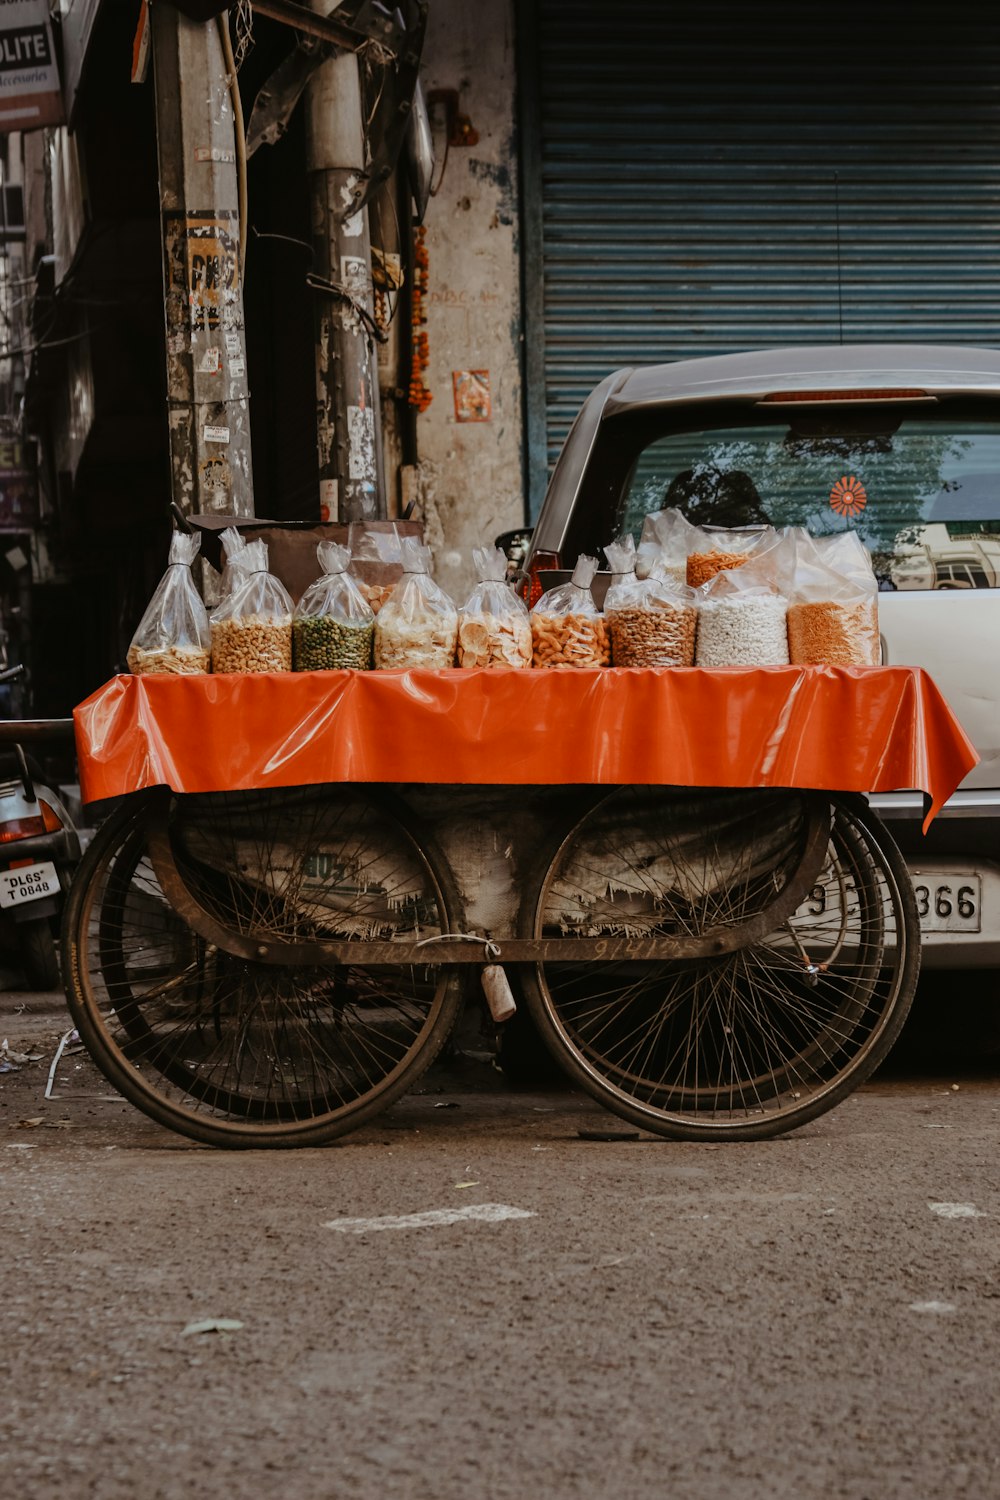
x=470, y=473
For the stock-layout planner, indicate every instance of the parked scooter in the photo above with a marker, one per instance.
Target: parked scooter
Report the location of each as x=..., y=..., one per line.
x=39, y=847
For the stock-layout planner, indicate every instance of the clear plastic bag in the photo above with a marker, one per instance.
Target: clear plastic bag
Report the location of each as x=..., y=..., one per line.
x=716, y=551
x=173, y=634
x=742, y=621
x=666, y=540
x=567, y=628
x=333, y=626
x=417, y=625
x=252, y=629
x=234, y=547
x=833, y=609
x=376, y=562
x=652, y=621
x=494, y=627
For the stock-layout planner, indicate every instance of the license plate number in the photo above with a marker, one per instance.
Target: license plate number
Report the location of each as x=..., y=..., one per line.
x=30, y=883
x=948, y=901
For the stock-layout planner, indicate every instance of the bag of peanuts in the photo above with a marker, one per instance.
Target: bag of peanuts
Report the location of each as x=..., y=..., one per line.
x=742, y=619
x=712, y=551
x=652, y=621
x=833, y=609
x=417, y=625
x=494, y=627
x=333, y=626
x=233, y=549
x=252, y=629
x=173, y=634
x=567, y=628
x=666, y=540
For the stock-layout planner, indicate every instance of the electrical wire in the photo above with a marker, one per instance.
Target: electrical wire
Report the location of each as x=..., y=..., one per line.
x=239, y=133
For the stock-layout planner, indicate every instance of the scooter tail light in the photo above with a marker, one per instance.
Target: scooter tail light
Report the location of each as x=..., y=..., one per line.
x=541, y=562
x=51, y=819
x=21, y=828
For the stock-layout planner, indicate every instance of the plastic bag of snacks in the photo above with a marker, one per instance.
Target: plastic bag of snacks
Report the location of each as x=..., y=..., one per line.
x=567, y=629
x=252, y=629
x=417, y=625
x=652, y=621
x=742, y=620
x=376, y=562
x=833, y=609
x=494, y=627
x=333, y=625
x=712, y=552
x=666, y=540
x=233, y=549
x=173, y=634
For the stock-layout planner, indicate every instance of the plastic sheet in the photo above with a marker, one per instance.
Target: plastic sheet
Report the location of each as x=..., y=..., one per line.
x=848, y=729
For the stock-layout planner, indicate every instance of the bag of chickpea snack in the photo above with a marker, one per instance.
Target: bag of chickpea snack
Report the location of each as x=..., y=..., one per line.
x=417, y=625
x=652, y=621
x=833, y=609
x=252, y=629
x=567, y=628
x=333, y=626
x=494, y=627
x=173, y=634
x=666, y=539
x=742, y=619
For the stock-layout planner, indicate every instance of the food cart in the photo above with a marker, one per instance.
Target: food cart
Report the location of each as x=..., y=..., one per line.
x=272, y=934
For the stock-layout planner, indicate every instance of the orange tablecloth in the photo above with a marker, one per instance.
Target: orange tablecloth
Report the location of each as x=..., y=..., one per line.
x=862, y=729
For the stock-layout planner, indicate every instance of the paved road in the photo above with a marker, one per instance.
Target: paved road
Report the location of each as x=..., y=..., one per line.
x=792, y=1319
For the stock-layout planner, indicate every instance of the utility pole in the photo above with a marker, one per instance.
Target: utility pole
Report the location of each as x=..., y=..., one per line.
x=348, y=426
x=199, y=150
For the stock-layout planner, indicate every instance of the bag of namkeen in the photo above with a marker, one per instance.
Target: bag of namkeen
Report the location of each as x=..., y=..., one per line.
x=651, y=621
x=666, y=540
x=716, y=551
x=833, y=613
x=567, y=628
x=252, y=629
x=173, y=634
x=494, y=627
x=742, y=620
x=417, y=625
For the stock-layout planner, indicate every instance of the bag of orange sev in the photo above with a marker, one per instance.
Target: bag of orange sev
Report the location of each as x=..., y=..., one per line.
x=567, y=628
x=494, y=627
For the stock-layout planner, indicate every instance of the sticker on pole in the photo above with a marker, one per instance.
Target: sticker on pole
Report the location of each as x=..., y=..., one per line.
x=216, y=434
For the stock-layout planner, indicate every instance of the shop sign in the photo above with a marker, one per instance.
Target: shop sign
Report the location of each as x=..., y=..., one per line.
x=30, y=93
x=18, y=487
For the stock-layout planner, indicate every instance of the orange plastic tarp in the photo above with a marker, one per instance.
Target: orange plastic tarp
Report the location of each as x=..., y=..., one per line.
x=861, y=729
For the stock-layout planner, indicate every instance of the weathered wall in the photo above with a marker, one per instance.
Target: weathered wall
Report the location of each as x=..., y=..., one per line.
x=470, y=472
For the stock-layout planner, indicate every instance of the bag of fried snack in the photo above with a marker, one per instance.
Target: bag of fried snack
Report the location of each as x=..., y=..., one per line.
x=712, y=550
x=833, y=609
x=494, y=627
x=666, y=540
x=173, y=634
x=652, y=620
x=417, y=625
x=567, y=628
x=376, y=561
x=252, y=629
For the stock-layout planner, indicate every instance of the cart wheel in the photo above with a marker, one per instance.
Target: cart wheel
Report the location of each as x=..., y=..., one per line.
x=237, y=1053
x=743, y=1044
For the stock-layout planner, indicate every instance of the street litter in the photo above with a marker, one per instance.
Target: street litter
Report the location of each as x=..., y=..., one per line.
x=933, y=1307
x=446, y=1104
x=65, y=1040
x=956, y=1210
x=27, y=1124
x=7, y=1054
x=212, y=1325
x=466, y=1184
x=488, y=1213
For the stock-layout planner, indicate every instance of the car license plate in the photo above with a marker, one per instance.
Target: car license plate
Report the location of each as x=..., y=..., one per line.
x=29, y=883
x=948, y=900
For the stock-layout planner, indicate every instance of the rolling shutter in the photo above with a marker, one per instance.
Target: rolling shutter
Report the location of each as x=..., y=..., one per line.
x=730, y=177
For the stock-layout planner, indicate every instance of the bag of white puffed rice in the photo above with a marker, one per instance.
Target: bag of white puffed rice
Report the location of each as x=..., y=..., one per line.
x=567, y=628
x=666, y=539
x=833, y=608
x=233, y=547
x=651, y=621
x=494, y=627
x=252, y=629
x=417, y=625
x=742, y=621
x=173, y=634
x=334, y=626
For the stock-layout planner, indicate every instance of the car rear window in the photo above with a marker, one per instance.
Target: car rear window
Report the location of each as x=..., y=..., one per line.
x=923, y=492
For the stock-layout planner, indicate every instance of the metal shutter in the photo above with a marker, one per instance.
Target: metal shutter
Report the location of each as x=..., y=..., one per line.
x=694, y=163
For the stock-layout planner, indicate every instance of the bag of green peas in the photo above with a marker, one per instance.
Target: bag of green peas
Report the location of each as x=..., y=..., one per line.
x=333, y=626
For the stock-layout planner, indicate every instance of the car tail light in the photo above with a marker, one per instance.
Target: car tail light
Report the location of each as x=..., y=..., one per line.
x=53, y=822
x=533, y=588
x=21, y=828
x=839, y=398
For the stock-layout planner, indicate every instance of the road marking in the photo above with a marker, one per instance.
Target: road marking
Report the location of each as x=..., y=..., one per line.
x=956, y=1210
x=933, y=1307
x=488, y=1213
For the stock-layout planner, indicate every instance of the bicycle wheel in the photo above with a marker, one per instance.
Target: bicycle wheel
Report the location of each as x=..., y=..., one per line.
x=740, y=1044
x=237, y=1053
